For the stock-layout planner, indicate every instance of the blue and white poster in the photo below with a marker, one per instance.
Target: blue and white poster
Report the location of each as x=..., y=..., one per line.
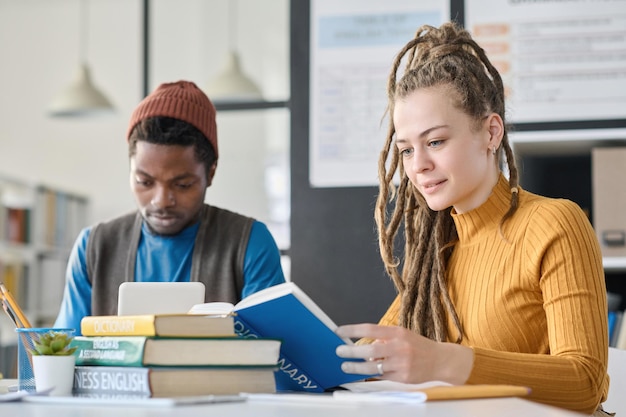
x=353, y=44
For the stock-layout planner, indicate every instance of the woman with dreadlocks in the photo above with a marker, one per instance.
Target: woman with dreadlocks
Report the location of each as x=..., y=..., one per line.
x=496, y=285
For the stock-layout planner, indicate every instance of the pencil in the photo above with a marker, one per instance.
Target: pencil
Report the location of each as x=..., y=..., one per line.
x=5, y=307
x=9, y=310
x=474, y=391
x=21, y=320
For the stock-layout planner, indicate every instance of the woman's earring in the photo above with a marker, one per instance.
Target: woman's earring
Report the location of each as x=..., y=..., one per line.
x=493, y=150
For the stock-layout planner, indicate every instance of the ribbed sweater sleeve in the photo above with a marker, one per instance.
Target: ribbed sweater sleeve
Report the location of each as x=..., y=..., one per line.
x=532, y=300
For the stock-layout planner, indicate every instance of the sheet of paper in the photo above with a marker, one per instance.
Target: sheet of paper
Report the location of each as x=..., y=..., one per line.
x=383, y=385
x=380, y=390
x=292, y=397
x=397, y=397
x=143, y=402
x=13, y=396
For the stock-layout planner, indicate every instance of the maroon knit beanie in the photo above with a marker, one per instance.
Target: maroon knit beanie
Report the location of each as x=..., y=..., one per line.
x=181, y=100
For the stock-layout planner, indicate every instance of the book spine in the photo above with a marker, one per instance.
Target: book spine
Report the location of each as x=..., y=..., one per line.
x=619, y=316
x=118, y=326
x=620, y=343
x=112, y=380
x=289, y=376
x=109, y=351
x=110, y=396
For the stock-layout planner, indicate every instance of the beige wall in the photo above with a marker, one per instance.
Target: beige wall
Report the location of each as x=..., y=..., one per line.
x=39, y=53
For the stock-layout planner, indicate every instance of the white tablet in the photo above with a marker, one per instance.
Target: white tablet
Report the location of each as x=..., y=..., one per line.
x=158, y=297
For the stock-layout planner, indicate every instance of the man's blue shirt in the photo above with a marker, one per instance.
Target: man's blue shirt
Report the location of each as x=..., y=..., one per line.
x=167, y=259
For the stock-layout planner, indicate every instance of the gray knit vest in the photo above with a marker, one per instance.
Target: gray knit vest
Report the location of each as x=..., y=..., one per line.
x=217, y=259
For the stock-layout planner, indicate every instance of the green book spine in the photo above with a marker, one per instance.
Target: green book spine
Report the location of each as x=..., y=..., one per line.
x=109, y=351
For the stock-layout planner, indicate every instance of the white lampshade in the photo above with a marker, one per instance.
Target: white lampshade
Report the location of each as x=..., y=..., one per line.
x=80, y=97
x=231, y=84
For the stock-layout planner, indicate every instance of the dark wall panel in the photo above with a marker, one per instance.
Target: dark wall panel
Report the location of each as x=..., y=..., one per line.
x=334, y=250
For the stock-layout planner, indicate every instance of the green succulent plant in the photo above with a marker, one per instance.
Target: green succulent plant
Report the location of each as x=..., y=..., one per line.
x=53, y=343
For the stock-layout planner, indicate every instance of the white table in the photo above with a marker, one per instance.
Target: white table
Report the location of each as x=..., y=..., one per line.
x=497, y=407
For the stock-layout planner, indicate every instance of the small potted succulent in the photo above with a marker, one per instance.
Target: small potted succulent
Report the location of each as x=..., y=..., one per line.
x=53, y=343
x=53, y=362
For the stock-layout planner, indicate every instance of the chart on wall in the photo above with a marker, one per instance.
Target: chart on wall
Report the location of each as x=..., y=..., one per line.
x=561, y=61
x=353, y=44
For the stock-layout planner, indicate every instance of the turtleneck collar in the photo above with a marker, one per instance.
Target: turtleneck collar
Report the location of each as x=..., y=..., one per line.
x=486, y=216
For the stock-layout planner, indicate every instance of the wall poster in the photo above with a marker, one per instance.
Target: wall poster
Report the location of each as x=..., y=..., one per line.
x=561, y=60
x=353, y=43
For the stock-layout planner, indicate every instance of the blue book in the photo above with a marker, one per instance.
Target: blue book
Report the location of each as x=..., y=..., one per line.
x=612, y=320
x=307, y=360
x=614, y=328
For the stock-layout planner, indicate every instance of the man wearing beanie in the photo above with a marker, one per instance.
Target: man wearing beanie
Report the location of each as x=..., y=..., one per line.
x=174, y=235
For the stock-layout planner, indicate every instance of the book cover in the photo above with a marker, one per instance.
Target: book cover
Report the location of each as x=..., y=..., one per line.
x=173, y=325
x=171, y=381
x=307, y=361
x=289, y=376
x=150, y=351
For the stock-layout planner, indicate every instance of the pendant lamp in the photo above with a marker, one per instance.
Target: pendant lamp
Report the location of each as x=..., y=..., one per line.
x=231, y=84
x=81, y=97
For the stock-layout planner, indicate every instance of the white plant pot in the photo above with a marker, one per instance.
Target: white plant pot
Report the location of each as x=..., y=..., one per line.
x=55, y=372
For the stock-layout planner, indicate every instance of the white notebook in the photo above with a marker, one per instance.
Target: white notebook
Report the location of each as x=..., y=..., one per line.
x=158, y=297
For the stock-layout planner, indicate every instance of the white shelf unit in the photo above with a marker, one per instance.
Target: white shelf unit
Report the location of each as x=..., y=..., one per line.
x=614, y=263
x=566, y=143
x=38, y=226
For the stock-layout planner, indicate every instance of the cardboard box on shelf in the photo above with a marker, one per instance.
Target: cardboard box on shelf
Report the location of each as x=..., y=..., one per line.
x=609, y=199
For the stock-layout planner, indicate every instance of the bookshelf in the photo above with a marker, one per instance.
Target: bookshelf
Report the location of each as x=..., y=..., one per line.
x=38, y=226
x=564, y=157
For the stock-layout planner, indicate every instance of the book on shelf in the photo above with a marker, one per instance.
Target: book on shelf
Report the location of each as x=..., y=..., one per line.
x=618, y=338
x=50, y=216
x=171, y=381
x=150, y=351
x=61, y=216
x=307, y=361
x=615, y=325
x=612, y=318
x=164, y=325
x=14, y=274
x=17, y=225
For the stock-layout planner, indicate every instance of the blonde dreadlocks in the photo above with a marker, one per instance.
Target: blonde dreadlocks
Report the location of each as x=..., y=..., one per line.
x=447, y=57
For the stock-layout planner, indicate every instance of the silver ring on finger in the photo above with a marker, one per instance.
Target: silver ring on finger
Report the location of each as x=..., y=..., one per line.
x=379, y=367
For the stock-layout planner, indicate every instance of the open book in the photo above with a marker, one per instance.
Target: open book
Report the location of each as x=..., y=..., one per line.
x=380, y=391
x=389, y=392
x=307, y=359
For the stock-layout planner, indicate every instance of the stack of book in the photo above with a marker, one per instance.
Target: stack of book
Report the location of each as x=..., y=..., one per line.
x=170, y=355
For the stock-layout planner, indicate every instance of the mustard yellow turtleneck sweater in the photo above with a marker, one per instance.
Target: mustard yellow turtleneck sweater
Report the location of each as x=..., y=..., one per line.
x=532, y=305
